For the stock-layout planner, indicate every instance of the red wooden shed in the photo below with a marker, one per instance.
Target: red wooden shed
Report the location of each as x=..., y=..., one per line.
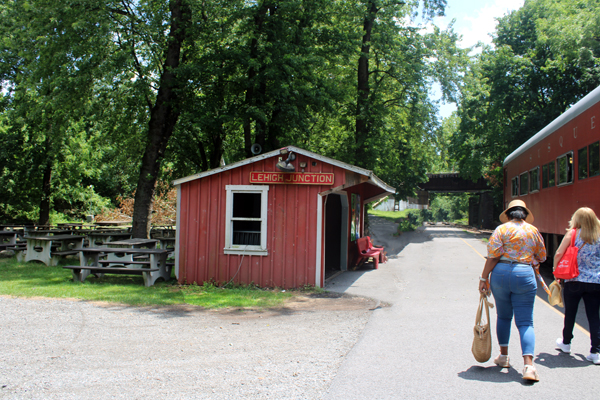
x=274, y=220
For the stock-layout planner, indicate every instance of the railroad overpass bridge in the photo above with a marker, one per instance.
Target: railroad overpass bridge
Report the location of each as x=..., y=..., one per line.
x=481, y=208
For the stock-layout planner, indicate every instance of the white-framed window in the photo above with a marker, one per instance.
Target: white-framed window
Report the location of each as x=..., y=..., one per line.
x=565, y=168
x=246, y=220
x=515, y=186
x=524, y=183
x=534, y=180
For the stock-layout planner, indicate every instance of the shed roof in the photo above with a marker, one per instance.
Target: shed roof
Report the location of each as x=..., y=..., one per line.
x=372, y=178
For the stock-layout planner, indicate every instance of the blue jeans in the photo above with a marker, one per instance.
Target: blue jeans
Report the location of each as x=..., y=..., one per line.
x=514, y=288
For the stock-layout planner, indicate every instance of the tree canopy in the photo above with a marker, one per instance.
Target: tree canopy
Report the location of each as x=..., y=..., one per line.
x=545, y=58
x=103, y=98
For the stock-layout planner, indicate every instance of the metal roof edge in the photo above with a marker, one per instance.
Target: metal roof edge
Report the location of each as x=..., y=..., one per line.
x=225, y=168
x=372, y=177
x=564, y=118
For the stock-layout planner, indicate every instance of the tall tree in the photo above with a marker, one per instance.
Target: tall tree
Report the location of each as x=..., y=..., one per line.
x=545, y=59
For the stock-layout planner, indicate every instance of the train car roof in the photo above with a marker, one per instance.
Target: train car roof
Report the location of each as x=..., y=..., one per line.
x=579, y=107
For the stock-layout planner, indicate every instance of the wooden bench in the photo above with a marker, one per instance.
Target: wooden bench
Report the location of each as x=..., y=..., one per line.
x=364, y=252
x=80, y=273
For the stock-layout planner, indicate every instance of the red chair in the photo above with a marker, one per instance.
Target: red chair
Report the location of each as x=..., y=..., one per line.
x=364, y=252
x=383, y=254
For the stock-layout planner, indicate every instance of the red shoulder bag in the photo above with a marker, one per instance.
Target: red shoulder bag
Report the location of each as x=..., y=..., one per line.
x=567, y=267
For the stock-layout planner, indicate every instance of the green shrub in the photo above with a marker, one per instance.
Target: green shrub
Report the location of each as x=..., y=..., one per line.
x=405, y=226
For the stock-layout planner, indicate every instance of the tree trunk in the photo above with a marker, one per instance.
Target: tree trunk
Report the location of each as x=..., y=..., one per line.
x=362, y=99
x=163, y=117
x=46, y=193
x=250, y=100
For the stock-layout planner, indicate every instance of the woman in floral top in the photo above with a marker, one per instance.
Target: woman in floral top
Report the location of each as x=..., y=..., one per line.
x=587, y=284
x=514, y=249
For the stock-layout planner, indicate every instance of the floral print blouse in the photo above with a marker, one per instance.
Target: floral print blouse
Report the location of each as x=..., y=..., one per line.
x=588, y=261
x=517, y=241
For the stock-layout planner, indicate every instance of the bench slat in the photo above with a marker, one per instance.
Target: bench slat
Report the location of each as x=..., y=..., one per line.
x=65, y=253
x=112, y=270
x=124, y=262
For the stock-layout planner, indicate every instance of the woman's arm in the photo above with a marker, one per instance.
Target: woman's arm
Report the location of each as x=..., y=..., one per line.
x=566, y=242
x=490, y=263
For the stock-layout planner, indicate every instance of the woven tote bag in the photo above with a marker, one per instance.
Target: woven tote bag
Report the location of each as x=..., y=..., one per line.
x=482, y=340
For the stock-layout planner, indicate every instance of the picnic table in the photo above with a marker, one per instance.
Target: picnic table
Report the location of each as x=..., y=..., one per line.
x=135, y=243
x=112, y=223
x=100, y=238
x=8, y=240
x=42, y=248
x=152, y=268
x=165, y=242
x=8, y=237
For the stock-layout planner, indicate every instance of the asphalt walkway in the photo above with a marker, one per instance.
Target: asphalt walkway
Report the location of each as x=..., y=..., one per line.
x=418, y=343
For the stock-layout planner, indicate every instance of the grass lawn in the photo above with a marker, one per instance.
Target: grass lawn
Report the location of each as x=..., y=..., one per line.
x=391, y=215
x=34, y=279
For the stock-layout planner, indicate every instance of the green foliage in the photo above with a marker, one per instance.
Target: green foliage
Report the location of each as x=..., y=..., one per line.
x=450, y=207
x=81, y=80
x=405, y=226
x=425, y=215
x=545, y=59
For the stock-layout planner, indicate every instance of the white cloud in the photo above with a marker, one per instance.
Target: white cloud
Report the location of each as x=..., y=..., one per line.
x=476, y=20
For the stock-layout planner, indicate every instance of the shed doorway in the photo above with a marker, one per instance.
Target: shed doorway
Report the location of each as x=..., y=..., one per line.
x=336, y=234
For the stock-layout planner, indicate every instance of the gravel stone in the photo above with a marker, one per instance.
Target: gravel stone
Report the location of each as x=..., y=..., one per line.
x=69, y=349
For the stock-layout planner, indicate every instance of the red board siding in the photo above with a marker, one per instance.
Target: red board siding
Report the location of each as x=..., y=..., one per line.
x=291, y=231
x=553, y=207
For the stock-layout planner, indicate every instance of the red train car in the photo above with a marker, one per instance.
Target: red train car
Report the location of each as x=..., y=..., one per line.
x=558, y=169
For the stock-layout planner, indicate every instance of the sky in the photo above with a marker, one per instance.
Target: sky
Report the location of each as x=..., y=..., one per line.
x=474, y=22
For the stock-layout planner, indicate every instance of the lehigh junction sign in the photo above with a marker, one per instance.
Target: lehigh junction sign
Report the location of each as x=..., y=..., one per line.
x=298, y=178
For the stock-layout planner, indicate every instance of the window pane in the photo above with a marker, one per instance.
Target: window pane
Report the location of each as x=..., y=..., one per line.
x=583, y=164
x=545, y=176
x=246, y=232
x=594, y=159
x=565, y=169
x=562, y=170
x=515, y=186
x=524, y=185
x=534, y=180
x=246, y=205
x=551, y=174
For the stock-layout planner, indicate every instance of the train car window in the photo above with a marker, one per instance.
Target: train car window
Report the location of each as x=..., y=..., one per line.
x=565, y=168
x=548, y=175
x=534, y=180
x=595, y=159
x=582, y=163
x=524, y=186
x=515, y=186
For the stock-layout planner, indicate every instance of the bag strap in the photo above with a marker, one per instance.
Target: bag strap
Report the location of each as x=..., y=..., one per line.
x=483, y=303
x=573, y=237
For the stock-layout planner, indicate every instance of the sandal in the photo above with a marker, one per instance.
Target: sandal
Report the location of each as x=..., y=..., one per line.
x=530, y=373
x=502, y=361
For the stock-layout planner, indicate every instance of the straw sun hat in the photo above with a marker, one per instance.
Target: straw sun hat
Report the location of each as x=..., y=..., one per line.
x=516, y=203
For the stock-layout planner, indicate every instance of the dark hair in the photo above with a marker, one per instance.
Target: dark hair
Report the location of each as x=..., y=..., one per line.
x=517, y=213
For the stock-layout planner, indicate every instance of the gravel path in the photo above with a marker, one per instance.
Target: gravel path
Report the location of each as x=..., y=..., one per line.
x=64, y=349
